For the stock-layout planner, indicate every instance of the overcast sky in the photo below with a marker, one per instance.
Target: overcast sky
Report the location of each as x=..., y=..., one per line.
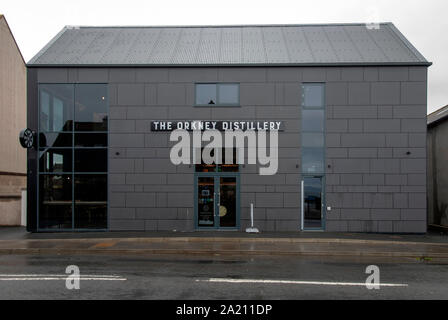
x=424, y=23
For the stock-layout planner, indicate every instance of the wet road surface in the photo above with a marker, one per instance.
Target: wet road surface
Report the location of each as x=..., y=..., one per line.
x=220, y=277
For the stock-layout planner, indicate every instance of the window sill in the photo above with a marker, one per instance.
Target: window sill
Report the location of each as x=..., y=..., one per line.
x=217, y=106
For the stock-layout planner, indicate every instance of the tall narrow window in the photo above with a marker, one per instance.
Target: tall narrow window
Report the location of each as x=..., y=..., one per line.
x=313, y=155
x=313, y=119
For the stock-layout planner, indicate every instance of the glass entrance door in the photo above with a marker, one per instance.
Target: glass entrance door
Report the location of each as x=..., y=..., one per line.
x=312, y=203
x=217, y=201
x=227, y=202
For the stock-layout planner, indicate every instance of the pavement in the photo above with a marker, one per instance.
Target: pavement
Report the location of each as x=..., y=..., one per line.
x=421, y=247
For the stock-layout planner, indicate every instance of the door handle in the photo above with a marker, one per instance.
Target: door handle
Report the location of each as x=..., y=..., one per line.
x=214, y=204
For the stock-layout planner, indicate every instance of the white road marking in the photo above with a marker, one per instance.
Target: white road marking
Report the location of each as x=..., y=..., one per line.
x=58, y=275
x=322, y=283
x=49, y=277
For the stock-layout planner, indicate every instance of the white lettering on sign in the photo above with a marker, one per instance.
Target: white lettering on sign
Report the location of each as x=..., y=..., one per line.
x=216, y=125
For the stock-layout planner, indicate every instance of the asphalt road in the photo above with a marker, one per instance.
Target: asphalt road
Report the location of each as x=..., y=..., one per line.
x=194, y=277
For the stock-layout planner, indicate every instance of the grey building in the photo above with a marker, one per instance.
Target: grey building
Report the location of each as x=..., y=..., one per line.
x=437, y=169
x=350, y=99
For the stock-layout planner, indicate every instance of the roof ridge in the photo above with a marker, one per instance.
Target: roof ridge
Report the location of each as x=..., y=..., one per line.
x=222, y=25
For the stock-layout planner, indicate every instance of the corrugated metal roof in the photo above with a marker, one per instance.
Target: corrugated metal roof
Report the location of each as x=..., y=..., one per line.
x=330, y=44
x=437, y=116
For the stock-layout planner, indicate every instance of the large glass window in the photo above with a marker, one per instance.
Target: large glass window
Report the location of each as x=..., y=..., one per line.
x=313, y=119
x=221, y=94
x=73, y=124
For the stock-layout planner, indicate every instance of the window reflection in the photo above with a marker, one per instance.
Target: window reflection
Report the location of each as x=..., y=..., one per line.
x=228, y=94
x=90, y=201
x=313, y=160
x=56, y=107
x=55, y=140
x=91, y=107
x=55, y=209
x=227, y=204
x=206, y=201
x=313, y=120
x=312, y=202
x=55, y=160
x=313, y=95
x=206, y=94
x=90, y=139
x=91, y=160
x=313, y=140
